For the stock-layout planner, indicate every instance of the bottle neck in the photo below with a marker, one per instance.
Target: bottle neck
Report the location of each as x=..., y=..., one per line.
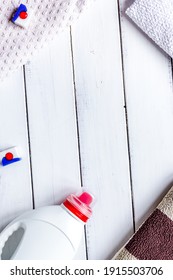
x=72, y=214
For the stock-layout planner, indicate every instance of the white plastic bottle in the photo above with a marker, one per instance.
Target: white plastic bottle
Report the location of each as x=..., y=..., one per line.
x=52, y=232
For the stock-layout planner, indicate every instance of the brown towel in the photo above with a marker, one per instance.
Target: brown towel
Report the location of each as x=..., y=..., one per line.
x=154, y=239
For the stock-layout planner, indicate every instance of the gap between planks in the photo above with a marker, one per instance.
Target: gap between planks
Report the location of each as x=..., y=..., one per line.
x=29, y=139
x=77, y=128
x=126, y=115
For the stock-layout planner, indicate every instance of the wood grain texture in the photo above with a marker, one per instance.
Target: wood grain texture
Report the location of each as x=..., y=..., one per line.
x=95, y=109
x=52, y=125
x=148, y=85
x=102, y=128
x=15, y=180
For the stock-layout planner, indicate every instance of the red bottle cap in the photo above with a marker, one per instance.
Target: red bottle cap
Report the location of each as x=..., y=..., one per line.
x=79, y=205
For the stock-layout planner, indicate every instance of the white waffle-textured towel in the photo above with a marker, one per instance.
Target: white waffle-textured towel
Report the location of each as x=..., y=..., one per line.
x=155, y=18
x=49, y=18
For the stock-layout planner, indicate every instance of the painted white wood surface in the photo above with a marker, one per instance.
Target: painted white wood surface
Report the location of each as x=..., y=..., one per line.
x=81, y=93
x=148, y=86
x=15, y=181
x=52, y=125
x=102, y=128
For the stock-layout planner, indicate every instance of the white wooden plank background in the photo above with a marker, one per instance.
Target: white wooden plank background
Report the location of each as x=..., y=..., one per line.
x=15, y=181
x=102, y=128
x=94, y=109
x=148, y=86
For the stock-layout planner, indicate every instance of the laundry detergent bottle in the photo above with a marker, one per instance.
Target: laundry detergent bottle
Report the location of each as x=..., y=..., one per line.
x=52, y=232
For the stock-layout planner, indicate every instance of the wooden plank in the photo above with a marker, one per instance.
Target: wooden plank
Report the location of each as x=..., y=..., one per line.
x=15, y=180
x=52, y=122
x=148, y=83
x=102, y=128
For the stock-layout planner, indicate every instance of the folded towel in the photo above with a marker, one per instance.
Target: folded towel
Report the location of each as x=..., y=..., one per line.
x=154, y=239
x=48, y=18
x=155, y=18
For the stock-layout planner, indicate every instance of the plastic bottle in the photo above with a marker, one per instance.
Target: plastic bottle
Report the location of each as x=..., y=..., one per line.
x=52, y=232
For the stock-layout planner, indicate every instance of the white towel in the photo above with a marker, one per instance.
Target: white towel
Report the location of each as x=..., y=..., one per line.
x=155, y=18
x=49, y=18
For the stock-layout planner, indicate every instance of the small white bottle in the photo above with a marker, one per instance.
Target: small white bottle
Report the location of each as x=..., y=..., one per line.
x=52, y=232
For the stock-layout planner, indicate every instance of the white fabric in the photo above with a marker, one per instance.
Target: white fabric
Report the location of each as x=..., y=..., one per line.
x=155, y=18
x=17, y=45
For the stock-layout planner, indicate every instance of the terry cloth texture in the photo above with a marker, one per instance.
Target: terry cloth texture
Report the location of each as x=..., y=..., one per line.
x=49, y=18
x=155, y=18
x=154, y=239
